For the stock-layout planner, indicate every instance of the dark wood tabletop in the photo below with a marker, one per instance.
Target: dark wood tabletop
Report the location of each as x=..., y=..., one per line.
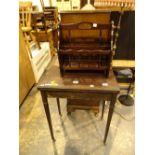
x=77, y=81
x=78, y=86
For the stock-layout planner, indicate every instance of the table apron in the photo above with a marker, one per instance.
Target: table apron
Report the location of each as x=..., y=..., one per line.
x=83, y=95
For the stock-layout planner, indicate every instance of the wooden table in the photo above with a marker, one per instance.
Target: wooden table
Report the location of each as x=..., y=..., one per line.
x=78, y=86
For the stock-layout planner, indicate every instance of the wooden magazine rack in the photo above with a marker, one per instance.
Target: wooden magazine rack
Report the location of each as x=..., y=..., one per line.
x=85, y=47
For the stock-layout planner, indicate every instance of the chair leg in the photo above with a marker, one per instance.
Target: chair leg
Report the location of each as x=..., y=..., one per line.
x=33, y=38
x=27, y=43
x=51, y=44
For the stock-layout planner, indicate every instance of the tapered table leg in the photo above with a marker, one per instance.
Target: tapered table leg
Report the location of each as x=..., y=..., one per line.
x=110, y=113
x=103, y=106
x=47, y=111
x=58, y=104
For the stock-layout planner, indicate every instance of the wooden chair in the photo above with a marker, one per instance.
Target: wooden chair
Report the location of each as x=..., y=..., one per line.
x=42, y=31
x=25, y=10
x=54, y=12
x=52, y=20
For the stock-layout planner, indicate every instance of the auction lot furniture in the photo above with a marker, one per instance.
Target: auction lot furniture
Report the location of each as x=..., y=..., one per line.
x=77, y=104
x=43, y=28
x=88, y=52
x=25, y=9
x=87, y=42
x=78, y=86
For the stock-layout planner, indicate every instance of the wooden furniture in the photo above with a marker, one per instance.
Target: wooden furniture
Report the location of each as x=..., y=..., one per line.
x=75, y=16
x=89, y=86
x=26, y=76
x=78, y=104
x=54, y=17
x=25, y=9
x=54, y=12
x=35, y=8
x=91, y=51
x=125, y=47
x=43, y=29
x=99, y=35
x=102, y=17
x=47, y=22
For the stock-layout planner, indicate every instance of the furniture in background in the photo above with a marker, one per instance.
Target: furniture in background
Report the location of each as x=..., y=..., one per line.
x=51, y=14
x=89, y=86
x=47, y=22
x=85, y=104
x=25, y=9
x=35, y=8
x=26, y=75
x=38, y=53
x=41, y=30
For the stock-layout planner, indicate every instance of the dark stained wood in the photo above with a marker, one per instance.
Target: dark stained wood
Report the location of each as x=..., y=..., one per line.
x=103, y=106
x=89, y=86
x=99, y=11
x=86, y=41
x=53, y=75
x=110, y=113
x=96, y=16
x=47, y=111
x=58, y=104
x=87, y=51
x=76, y=104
